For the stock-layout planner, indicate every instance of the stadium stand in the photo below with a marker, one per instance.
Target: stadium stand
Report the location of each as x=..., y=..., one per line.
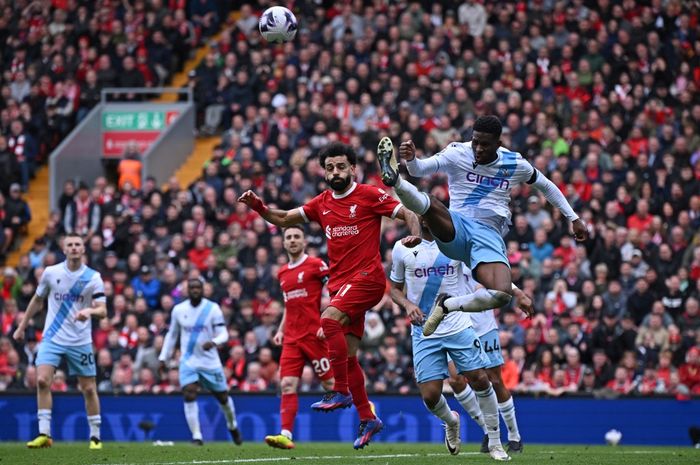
x=601, y=97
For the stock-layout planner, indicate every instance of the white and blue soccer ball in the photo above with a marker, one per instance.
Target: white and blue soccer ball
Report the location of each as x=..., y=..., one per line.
x=278, y=24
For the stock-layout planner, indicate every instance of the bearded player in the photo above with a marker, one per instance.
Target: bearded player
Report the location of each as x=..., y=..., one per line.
x=300, y=334
x=350, y=214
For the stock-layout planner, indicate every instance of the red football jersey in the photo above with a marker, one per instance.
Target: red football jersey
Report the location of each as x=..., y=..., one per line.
x=352, y=224
x=302, y=284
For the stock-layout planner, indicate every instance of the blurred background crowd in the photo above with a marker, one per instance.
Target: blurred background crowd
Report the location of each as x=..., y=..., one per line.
x=600, y=96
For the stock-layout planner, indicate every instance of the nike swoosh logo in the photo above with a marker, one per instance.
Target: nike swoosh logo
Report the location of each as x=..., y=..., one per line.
x=325, y=212
x=451, y=449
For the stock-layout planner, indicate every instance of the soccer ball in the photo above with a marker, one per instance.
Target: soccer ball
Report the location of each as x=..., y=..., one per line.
x=278, y=24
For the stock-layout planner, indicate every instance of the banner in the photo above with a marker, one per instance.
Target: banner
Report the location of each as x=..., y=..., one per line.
x=563, y=421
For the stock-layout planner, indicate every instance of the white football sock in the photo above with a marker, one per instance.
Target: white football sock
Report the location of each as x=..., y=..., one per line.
x=286, y=433
x=478, y=301
x=507, y=410
x=411, y=197
x=44, y=416
x=94, y=421
x=192, y=416
x=467, y=399
x=443, y=412
x=489, y=408
x=230, y=413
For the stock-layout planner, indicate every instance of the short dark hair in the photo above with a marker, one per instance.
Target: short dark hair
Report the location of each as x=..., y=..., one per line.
x=294, y=226
x=488, y=124
x=335, y=149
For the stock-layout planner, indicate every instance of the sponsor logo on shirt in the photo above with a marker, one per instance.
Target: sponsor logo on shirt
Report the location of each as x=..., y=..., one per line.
x=476, y=178
x=295, y=294
x=342, y=231
x=68, y=297
x=442, y=270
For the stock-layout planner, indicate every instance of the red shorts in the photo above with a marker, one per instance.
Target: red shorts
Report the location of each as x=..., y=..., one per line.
x=295, y=354
x=355, y=297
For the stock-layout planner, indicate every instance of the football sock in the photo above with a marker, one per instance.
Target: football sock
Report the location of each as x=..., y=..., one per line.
x=489, y=408
x=356, y=381
x=467, y=399
x=44, y=417
x=507, y=410
x=411, y=197
x=192, y=416
x=442, y=411
x=289, y=406
x=287, y=434
x=338, y=352
x=478, y=301
x=94, y=421
x=230, y=413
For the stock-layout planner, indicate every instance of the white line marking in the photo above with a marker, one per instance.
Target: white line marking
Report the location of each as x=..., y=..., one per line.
x=358, y=457
x=285, y=459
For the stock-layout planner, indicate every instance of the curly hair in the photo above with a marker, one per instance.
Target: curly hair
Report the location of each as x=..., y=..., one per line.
x=488, y=124
x=335, y=149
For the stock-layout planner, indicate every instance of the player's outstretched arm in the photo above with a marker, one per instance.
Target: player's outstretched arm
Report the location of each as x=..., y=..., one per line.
x=281, y=218
x=413, y=224
x=556, y=198
x=35, y=305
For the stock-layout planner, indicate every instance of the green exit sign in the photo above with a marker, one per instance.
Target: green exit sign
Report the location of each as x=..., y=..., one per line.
x=137, y=120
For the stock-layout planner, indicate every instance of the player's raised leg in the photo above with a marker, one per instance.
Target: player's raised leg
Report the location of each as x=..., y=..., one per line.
x=229, y=411
x=467, y=399
x=44, y=379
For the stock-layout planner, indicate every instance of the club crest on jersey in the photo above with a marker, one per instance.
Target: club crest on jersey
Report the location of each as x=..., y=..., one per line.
x=353, y=211
x=504, y=172
x=300, y=277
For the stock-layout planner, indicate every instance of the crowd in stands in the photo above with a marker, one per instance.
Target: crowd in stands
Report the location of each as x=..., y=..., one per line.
x=600, y=96
x=57, y=56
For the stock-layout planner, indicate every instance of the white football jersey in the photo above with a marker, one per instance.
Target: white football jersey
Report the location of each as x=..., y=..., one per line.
x=68, y=292
x=426, y=273
x=483, y=321
x=482, y=191
x=195, y=326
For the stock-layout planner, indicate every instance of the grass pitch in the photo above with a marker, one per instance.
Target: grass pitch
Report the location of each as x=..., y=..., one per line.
x=333, y=454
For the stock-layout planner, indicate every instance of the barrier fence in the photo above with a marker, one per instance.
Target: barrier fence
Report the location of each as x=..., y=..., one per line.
x=542, y=420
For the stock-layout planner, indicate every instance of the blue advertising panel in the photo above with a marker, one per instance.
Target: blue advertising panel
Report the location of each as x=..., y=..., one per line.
x=566, y=421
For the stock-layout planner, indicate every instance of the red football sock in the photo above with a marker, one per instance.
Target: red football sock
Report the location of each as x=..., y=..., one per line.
x=356, y=379
x=288, y=410
x=338, y=351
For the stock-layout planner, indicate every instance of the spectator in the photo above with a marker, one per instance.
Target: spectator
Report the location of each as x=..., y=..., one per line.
x=689, y=372
x=82, y=214
x=130, y=167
